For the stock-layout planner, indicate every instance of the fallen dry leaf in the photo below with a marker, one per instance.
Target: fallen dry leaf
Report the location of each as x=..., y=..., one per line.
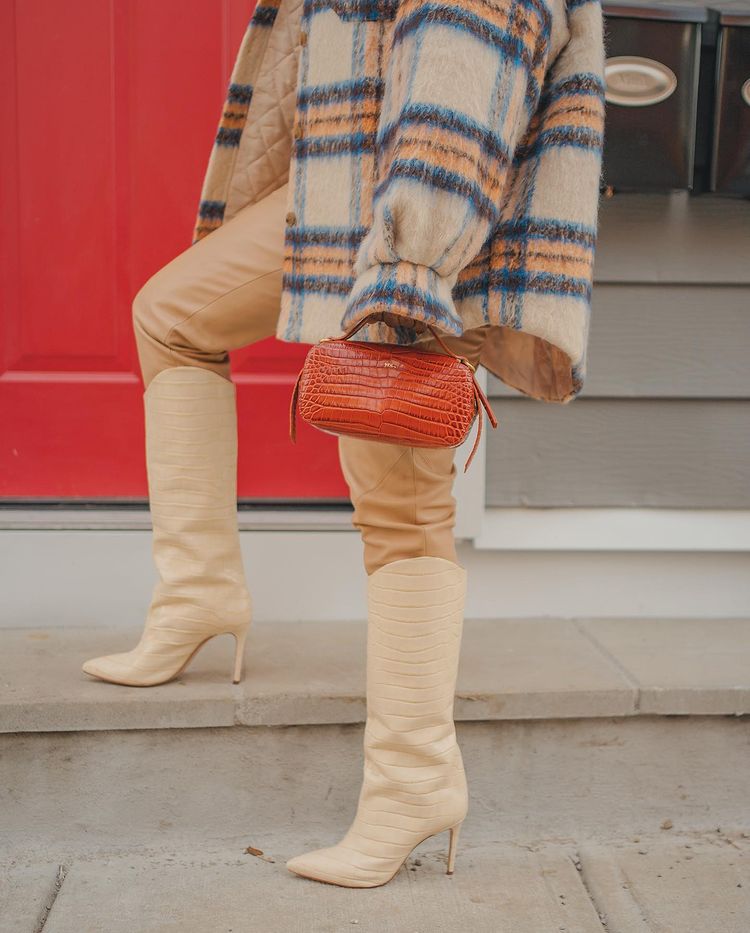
x=258, y=853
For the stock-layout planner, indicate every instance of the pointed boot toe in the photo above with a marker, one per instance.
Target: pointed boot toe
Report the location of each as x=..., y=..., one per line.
x=128, y=668
x=299, y=865
x=113, y=668
x=323, y=865
x=91, y=667
x=99, y=667
x=310, y=865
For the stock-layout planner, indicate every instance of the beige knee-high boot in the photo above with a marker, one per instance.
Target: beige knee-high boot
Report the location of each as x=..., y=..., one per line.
x=191, y=457
x=414, y=781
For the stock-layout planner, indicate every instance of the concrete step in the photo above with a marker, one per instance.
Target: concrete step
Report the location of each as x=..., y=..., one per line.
x=607, y=763
x=530, y=781
x=313, y=673
x=694, y=884
x=582, y=731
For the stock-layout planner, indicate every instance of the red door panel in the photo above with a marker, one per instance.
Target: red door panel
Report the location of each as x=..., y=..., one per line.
x=109, y=111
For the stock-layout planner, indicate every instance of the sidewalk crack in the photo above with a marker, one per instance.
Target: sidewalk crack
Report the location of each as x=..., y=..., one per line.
x=575, y=858
x=625, y=884
x=62, y=872
x=614, y=661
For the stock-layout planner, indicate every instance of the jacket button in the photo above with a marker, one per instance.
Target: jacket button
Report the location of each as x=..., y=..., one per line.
x=297, y=132
x=302, y=37
x=291, y=218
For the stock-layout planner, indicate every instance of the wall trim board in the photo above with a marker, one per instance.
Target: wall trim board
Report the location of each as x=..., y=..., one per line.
x=617, y=529
x=104, y=578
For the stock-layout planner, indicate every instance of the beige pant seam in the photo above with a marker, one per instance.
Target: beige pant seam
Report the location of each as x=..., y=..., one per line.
x=213, y=302
x=416, y=501
x=385, y=475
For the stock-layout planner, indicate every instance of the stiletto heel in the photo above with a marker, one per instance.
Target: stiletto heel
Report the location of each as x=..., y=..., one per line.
x=239, y=654
x=455, y=830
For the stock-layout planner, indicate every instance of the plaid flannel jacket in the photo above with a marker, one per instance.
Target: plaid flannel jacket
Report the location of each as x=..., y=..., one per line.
x=443, y=167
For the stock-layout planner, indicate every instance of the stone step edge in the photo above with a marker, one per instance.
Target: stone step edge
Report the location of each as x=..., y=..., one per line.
x=313, y=674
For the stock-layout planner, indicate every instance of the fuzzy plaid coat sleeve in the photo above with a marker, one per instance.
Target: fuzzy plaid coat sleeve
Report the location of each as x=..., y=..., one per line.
x=462, y=83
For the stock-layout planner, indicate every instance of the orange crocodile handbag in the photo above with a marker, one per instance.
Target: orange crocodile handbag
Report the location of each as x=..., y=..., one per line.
x=389, y=392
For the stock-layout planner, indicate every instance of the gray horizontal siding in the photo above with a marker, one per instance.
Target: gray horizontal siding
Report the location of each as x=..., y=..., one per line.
x=667, y=341
x=673, y=238
x=664, y=419
x=626, y=452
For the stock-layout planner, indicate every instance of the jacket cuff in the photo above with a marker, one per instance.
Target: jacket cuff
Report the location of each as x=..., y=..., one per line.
x=403, y=292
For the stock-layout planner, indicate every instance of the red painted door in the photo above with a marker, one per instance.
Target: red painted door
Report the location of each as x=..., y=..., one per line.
x=109, y=108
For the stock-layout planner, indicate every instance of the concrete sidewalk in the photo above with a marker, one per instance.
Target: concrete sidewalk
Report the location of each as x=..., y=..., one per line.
x=607, y=764
x=690, y=884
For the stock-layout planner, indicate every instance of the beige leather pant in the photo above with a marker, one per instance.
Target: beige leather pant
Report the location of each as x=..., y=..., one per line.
x=223, y=293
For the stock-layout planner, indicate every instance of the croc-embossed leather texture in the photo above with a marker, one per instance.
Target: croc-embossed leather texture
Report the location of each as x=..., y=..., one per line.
x=390, y=393
x=414, y=781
